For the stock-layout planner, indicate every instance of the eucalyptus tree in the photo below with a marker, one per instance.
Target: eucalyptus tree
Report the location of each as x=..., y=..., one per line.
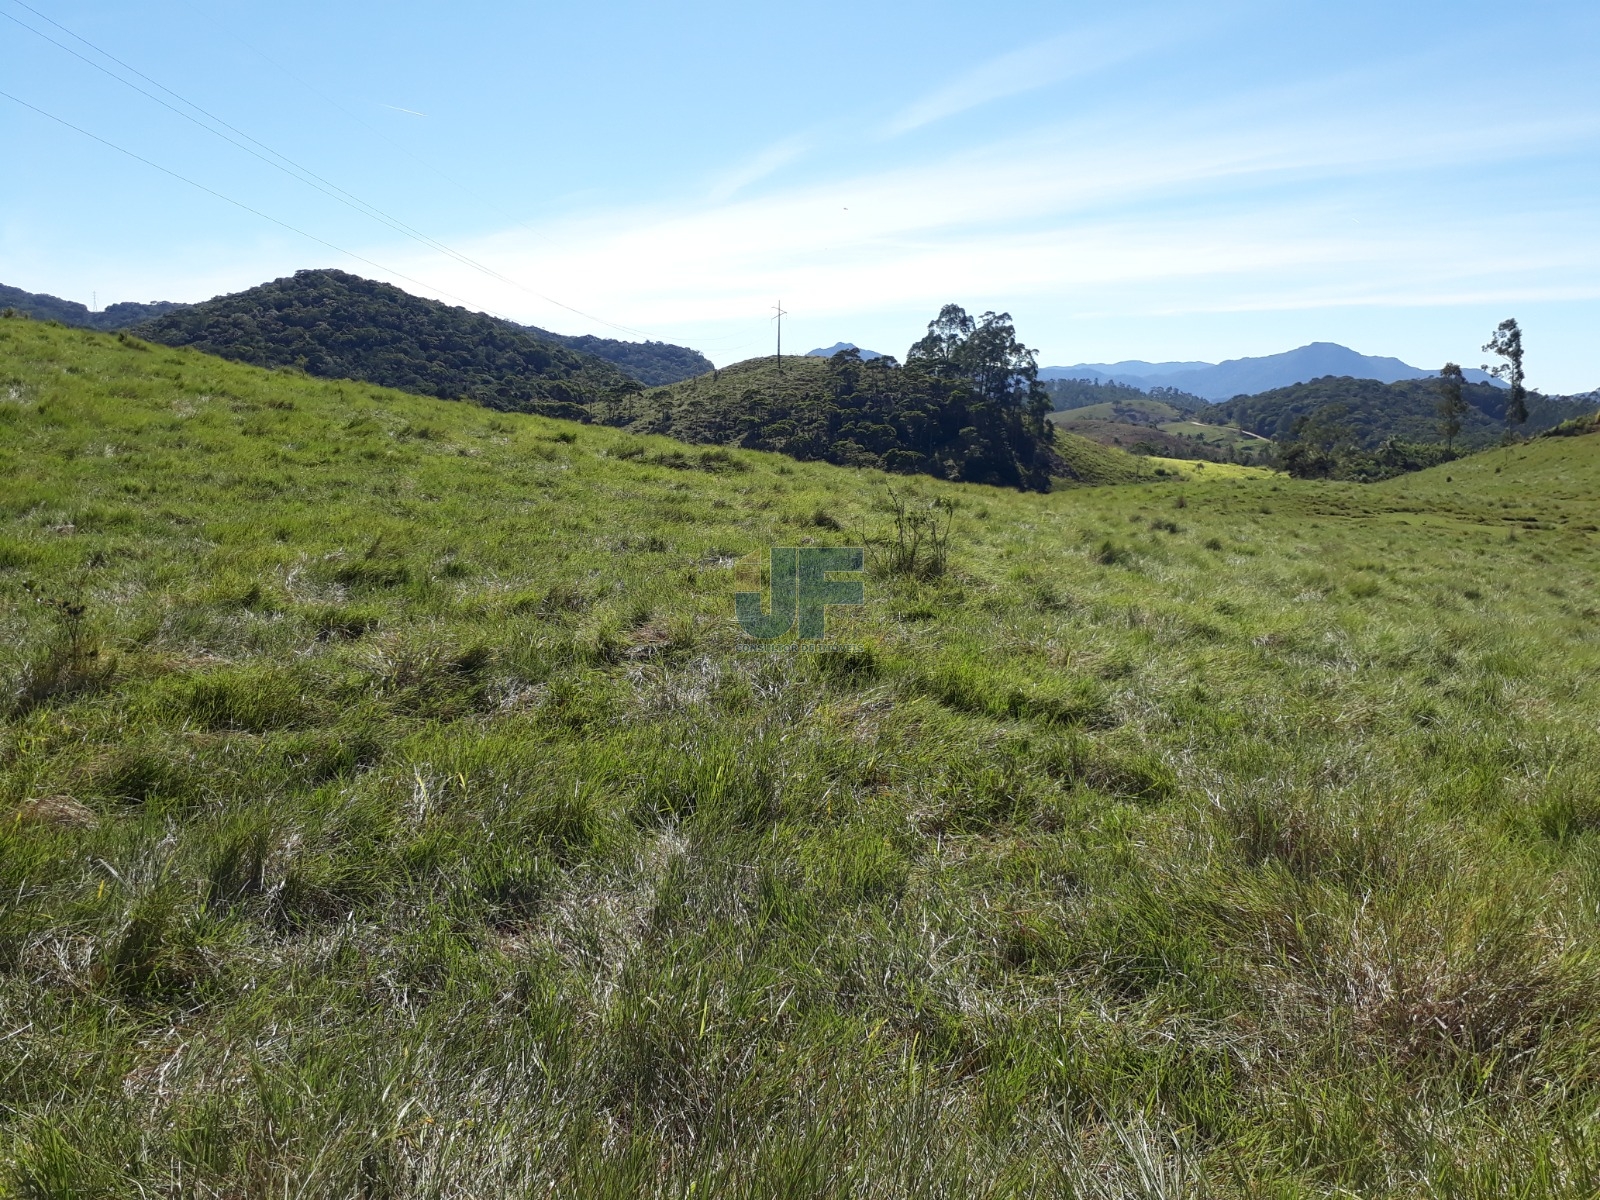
x=1452, y=405
x=1507, y=343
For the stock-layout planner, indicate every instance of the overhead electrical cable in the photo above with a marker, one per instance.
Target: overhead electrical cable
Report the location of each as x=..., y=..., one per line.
x=293, y=169
x=469, y=193
x=230, y=200
x=428, y=165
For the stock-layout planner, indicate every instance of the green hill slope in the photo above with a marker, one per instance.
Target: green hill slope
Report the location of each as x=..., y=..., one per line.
x=43, y=307
x=392, y=806
x=1377, y=411
x=340, y=326
x=1139, y=409
x=651, y=363
x=844, y=411
x=1068, y=394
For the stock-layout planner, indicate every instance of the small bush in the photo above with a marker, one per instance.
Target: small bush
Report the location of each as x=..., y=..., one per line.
x=70, y=664
x=919, y=547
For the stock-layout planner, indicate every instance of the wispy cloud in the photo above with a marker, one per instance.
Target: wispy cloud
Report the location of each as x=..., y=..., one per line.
x=1223, y=211
x=768, y=161
x=1056, y=59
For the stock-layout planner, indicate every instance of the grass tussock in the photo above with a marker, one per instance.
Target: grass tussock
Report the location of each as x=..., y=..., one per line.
x=390, y=805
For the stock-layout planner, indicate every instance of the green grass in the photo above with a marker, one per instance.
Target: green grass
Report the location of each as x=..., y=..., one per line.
x=1224, y=437
x=1183, y=438
x=402, y=816
x=1112, y=410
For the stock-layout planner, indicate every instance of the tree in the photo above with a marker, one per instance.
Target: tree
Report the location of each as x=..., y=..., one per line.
x=1452, y=406
x=1507, y=343
x=1316, y=442
x=1005, y=432
x=936, y=352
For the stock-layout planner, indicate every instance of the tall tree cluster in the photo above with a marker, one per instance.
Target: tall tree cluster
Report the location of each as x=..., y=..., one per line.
x=995, y=379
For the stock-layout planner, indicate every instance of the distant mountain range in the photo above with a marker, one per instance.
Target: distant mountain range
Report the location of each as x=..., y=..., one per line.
x=1249, y=376
x=651, y=363
x=830, y=351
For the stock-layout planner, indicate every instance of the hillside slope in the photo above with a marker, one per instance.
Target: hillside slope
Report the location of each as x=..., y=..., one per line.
x=393, y=806
x=1066, y=394
x=42, y=307
x=340, y=326
x=653, y=364
x=842, y=410
x=1376, y=411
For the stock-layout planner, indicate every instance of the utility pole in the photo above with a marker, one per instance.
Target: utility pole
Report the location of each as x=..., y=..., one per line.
x=779, y=320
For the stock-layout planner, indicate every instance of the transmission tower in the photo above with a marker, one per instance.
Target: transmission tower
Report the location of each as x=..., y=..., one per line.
x=778, y=307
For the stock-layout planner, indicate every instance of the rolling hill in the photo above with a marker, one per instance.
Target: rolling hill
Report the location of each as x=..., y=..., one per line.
x=841, y=410
x=392, y=805
x=42, y=307
x=651, y=363
x=1375, y=411
x=1085, y=393
x=340, y=326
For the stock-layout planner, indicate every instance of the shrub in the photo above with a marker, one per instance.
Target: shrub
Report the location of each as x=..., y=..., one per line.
x=919, y=547
x=70, y=664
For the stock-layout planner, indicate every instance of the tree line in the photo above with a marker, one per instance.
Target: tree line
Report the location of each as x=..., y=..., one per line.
x=1327, y=442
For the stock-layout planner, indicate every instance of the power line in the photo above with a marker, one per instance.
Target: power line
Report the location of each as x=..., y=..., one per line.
x=297, y=173
x=294, y=169
x=779, y=319
x=426, y=164
x=229, y=199
x=478, y=197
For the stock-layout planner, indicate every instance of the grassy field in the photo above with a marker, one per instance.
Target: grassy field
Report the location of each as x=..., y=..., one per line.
x=393, y=809
x=1193, y=439
x=1224, y=437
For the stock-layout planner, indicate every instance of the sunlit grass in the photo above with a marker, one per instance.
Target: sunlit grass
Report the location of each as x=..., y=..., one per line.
x=404, y=816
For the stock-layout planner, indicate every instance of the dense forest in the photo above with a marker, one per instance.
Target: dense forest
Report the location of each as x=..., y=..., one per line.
x=1067, y=394
x=967, y=405
x=69, y=312
x=1366, y=413
x=653, y=364
x=340, y=326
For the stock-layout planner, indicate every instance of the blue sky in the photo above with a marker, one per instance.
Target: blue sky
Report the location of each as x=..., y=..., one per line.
x=1159, y=181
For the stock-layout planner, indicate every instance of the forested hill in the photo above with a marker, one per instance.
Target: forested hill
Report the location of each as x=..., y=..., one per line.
x=43, y=307
x=651, y=363
x=1373, y=412
x=964, y=407
x=341, y=326
x=1067, y=394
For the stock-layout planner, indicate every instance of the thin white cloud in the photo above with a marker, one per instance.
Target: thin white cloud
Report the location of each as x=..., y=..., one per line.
x=1221, y=210
x=769, y=161
x=1065, y=56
